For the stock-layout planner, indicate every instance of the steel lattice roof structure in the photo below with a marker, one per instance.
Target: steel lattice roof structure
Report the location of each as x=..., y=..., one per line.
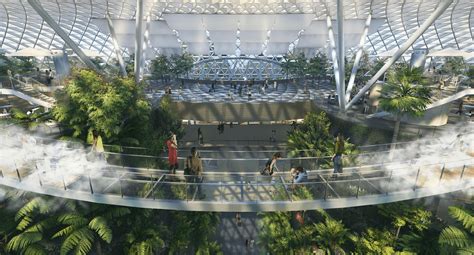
x=234, y=27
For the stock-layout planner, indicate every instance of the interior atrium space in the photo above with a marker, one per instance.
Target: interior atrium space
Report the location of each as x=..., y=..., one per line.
x=236, y=127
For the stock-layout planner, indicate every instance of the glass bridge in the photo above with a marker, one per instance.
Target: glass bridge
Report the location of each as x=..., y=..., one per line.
x=235, y=185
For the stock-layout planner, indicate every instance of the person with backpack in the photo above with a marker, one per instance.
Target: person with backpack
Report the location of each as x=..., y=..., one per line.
x=338, y=151
x=194, y=168
x=270, y=165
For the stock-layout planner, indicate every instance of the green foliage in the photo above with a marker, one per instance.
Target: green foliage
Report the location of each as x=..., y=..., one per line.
x=160, y=67
x=32, y=120
x=313, y=139
x=317, y=66
x=331, y=234
x=453, y=239
x=404, y=214
x=453, y=66
x=373, y=242
x=404, y=94
x=181, y=64
x=296, y=65
x=115, y=108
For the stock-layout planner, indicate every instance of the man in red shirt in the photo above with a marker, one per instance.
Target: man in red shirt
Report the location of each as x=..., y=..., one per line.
x=172, y=145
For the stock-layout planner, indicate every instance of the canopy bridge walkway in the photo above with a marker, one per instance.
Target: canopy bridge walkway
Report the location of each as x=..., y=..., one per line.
x=369, y=180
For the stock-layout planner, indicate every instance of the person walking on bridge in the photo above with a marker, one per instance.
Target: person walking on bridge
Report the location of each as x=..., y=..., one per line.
x=194, y=168
x=338, y=151
x=172, y=145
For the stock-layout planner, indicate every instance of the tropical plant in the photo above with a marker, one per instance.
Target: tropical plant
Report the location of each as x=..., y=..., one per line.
x=34, y=228
x=312, y=139
x=160, y=67
x=82, y=229
x=279, y=236
x=181, y=64
x=460, y=240
x=295, y=65
x=317, y=66
x=404, y=94
x=453, y=66
x=373, y=242
x=330, y=234
x=115, y=108
x=403, y=214
x=32, y=120
x=143, y=238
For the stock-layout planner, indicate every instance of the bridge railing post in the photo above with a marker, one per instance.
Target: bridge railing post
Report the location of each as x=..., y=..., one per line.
x=358, y=186
x=221, y=191
x=64, y=183
x=90, y=185
x=389, y=182
x=326, y=190
x=1, y=173
x=441, y=175
x=121, y=188
x=416, y=179
x=462, y=172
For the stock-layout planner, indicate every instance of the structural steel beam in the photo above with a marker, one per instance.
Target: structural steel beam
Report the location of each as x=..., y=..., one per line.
x=55, y=26
x=118, y=54
x=442, y=6
x=138, y=39
x=341, y=90
x=332, y=45
x=358, y=56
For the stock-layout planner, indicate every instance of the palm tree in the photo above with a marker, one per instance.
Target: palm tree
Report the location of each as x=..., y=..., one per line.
x=331, y=234
x=458, y=240
x=403, y=95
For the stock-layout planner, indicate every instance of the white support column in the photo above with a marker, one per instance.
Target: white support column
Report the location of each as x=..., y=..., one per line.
x=138, y=39
x=442, y=6
x=355, y=67
x=332, y=46
x=118, y=54
x=59, y=31
x=341, y=90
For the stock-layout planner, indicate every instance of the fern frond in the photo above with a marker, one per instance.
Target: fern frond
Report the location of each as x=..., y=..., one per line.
x=35, y=249
x=453, y=236
x=462, y=216
x=72, y=219
x=100, y=226
x=80, y=241
x=65, y=231
x=43, y=225
x=24, y=223
x=23, y=240
x=34, y=204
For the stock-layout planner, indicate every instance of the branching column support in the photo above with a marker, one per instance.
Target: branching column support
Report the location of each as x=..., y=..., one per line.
x=442, y=6
x=332, y=45
x=59, y=31
x=138, y=39
x=118, y=54
x=358, y=56
x=341, y=90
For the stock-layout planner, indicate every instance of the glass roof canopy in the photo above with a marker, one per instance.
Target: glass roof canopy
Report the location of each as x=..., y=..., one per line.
x=234, y=27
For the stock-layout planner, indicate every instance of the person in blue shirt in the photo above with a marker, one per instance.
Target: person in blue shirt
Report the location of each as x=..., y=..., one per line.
x=301, y=175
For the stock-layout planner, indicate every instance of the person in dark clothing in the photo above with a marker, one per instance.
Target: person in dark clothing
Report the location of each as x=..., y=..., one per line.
x=270, y=165
x=200, y=136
